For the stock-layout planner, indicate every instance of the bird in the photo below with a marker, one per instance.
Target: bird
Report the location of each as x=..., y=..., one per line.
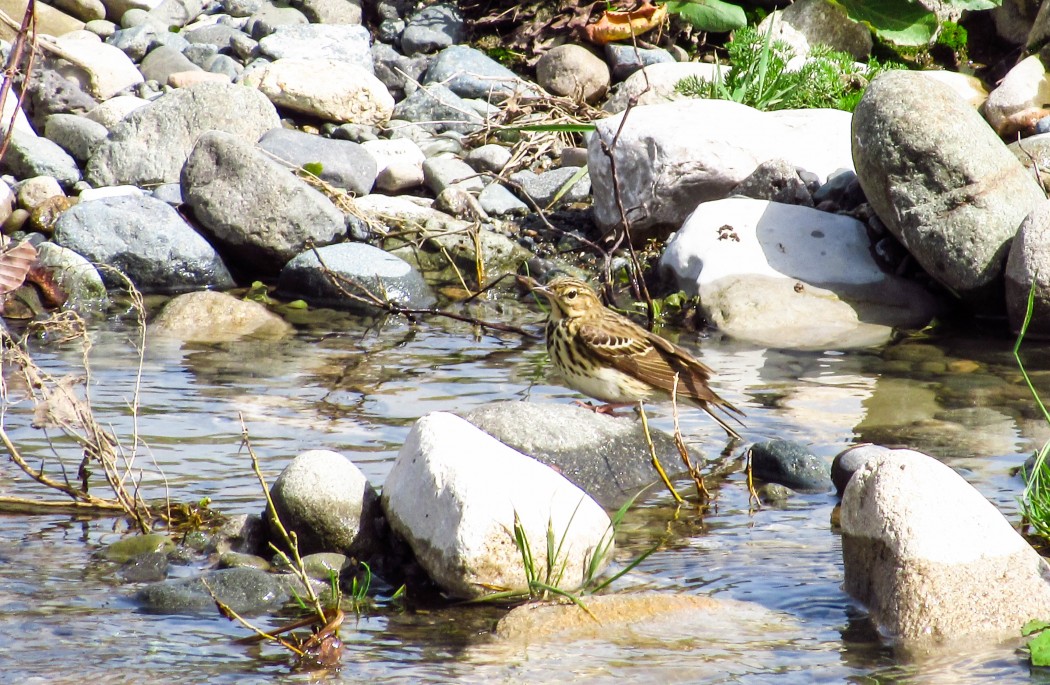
x=607, y=356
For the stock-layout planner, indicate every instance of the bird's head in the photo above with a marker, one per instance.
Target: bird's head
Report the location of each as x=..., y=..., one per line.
x=570, y=298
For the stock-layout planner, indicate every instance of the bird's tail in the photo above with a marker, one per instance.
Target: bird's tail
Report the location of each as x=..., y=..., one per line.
x=730, y=411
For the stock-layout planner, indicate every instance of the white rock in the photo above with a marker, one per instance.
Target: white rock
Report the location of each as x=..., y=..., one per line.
x=110, y=112
x=453, y=494
x=790, y=276
x=35, y=190
x=109, y=191
x=330, y=89
x=402, y=150
x=103, y=70
x=672, y=157
x=932, y=559
x=656, y=83
x=1022, y=94
x=11, y=110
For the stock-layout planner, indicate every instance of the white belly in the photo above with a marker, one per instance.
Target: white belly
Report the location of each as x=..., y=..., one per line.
x=608, y=385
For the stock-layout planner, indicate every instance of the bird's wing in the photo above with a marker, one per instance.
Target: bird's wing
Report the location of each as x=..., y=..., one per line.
x=635, y=351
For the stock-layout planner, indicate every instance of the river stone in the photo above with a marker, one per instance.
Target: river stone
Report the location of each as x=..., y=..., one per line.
x=29, y=155
x=1020, y=99
x=624, y=60
x=819, y=21
x=342, y=42
x=605, y=456
x=790, y=464
x=77, y=135
x=211, y=317
x=344, y=164
x=145, y=568
x=573, y=71
x=543, y=188
x=383, y=274
x=470, y=73
x=248, y=591
x=130, y=547
x=329, y=504
x=657, y=84
x=332, y=11
x=454, y=494
x=254, y=205
x=942, y=182
x=1028, y=267
x=668, y=164
x=147, y=240
x=102, y=70
x=112, y=111
x=763, y=273
x=932, y=559
x=440, y=173
x=163, y=61
x=497, y=200
x=242, y=533
x=850, y=460
x=326, y=88
x=436, y=109
x=78, y=279
x=432, y=28
x=151, y=144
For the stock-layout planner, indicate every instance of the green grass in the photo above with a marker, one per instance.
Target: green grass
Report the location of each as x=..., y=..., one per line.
x=758, y=77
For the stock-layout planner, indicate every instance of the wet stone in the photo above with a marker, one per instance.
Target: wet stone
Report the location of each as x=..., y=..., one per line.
x=136, y=545
x=145, y=568
x=790, y=464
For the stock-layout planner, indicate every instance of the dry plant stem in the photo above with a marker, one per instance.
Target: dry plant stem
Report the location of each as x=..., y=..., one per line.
x=26, y=31
x=289, y=537
x=654, y=459
x=226, y=611
x=366, y=296
x=694, y=472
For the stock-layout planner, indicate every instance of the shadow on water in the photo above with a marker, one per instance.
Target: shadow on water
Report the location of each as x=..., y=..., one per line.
x=67, y=617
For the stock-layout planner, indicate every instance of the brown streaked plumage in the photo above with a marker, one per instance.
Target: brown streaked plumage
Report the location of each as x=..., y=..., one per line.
x=610, y=358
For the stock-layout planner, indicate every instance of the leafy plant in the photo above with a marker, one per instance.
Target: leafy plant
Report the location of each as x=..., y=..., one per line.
x=761, y=78
x=1039, y=646
x=714, y=16
x=904, y=22
x=1035, y=501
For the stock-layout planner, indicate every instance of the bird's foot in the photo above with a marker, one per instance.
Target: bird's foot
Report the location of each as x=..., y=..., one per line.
x=607, y=409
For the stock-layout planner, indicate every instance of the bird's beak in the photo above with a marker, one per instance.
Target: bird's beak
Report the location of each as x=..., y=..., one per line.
x=532, y=285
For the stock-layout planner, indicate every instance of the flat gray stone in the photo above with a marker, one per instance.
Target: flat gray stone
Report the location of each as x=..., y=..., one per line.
x=344, y=164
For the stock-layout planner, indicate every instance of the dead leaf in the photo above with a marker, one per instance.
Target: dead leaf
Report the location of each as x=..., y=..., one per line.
x=15, y=264
x=613, y=26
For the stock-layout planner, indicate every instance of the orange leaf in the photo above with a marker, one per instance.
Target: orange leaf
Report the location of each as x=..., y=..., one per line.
x=15, y=264
x=615, y=26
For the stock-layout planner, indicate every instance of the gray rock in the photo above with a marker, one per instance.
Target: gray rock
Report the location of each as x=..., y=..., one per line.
x=497, y=200
x=775, y=180
x=219, y=36
x=243, y=534
x=606, y=457
x=49, y=93
x=226, y=65
x=573, y=71
x=400, y=74
x=1027, y=267
x=345, y=43
x=332, y=11
x=842, y=188
x=145, y=568
x=790, y=464
x=176, y=13
x=329, y=504
x=162, y=62
x=151, y=144
x=241, y=8
x=470, y=73
x=254, y=205
x=849, y=461
x=77, y=135
x=248, y=591
x=270, y=18
x=942, y=182
x=169, y=192
x=344, y=164
x=29, y=155
x=77, y=278
x=383, y=274
x=137, y=41
x=933, y=560
x=433, y=28
x=147, y=240
x=624, y=60
x=489, y=157
x=435, y=108
x=544, y=187
x=440, y=173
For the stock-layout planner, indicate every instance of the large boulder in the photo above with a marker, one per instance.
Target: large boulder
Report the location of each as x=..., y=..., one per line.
x=254, y=205
x=151, y=144
x=790, y=276
x=942, y=182
x=932, y=559
x=671, y=157
x=455, y=495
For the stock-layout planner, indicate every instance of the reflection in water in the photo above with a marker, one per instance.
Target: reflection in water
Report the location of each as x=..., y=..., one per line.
x=358, y=391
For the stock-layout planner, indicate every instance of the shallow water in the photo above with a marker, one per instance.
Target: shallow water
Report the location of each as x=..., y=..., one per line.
x=65, y=617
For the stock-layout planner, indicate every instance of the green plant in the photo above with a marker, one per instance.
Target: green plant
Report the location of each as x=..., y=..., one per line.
x=1035, y=501
x=759, y=76
x=714, y=16
x=1039, y=646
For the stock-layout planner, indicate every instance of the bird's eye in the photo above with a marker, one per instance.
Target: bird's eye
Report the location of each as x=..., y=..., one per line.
x=570, y=295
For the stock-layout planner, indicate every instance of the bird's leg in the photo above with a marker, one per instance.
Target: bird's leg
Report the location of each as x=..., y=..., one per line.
x=752, y=496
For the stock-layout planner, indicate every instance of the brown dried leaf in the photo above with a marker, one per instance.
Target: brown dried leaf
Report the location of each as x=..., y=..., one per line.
x=51, y=292
x=615, y=26
x=15, y=264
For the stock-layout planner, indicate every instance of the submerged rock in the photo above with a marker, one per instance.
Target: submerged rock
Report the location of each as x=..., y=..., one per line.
x=932, y=559
x=454, y=494
x=136, y=545
x=790, y=464
x=208, y=316
x=248, y=591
